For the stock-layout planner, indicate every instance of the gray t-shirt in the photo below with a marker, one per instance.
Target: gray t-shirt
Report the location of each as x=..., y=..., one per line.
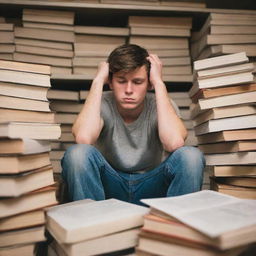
x=133, y=147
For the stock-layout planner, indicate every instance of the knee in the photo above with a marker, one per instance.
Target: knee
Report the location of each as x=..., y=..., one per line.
x=75, y=156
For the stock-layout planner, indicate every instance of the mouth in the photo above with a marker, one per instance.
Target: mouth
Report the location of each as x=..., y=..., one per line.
x=128, y=100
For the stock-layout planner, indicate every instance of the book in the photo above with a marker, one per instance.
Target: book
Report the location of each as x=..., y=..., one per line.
x=6, y=37
x=108, y=244
x=14, y=164
x=239, y=192
x=230, y=123
x=87, y=61
x=230, y=135
x=25, y=78
x=48, y=16
x=92, y=219
x=223, y=112
x=24, y=220
x=65, y=118
x=241, y=78
x=63, y=95
x=222, y=216
x=162, y=245
x=220, y=61
x=238, y=158
x=19, y=184
x=189, y=4
x=214, y=92
x=24, y=104
x=238, y=181
x=231, y=146
x=100, y=30
x=39, y=131
x=23, y=146
x=227, y=100
x=25, y=67
x=98, y=39
x=23, y=236
x=65, y=106
x=56, y=154
x=15, y=115
x=28, y=24
x=231, y=170
x=23, y=91
x=34, y=200
x=21, y=250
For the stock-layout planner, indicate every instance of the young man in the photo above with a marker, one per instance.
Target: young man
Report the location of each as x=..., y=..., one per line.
x=122, y=135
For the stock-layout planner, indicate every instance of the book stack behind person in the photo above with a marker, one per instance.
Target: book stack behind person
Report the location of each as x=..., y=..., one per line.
x=87, y=227
x=47, y=37
x=66, y=105
x=225, y=33
x=92, y=46
x=26, y=175
x=168, y=38
x=202, y=223
x=6, y=40
x=224, y=114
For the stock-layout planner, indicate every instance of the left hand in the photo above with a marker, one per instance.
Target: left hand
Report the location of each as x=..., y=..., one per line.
x=155, y=76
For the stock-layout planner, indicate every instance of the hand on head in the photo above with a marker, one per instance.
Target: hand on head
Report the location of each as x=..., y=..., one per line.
x=155, y=69
x=103, y=71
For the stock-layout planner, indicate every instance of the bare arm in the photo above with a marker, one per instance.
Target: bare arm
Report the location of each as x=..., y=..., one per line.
x=89, y=123
x=172, y=132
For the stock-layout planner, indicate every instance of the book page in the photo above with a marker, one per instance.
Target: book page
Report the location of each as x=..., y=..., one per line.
x=208, y=211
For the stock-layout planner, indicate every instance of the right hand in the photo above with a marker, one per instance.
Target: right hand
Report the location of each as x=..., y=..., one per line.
x=103, y=72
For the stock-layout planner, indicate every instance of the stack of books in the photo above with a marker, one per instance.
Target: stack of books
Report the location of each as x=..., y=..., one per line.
x=187, y=225
x=184, y=3
x=225, y=33
x=6, y=40
x=89, y=227
x=46, y=37
x=93, y=44
x=26, y=175
x=168, y=38
x=224, y=114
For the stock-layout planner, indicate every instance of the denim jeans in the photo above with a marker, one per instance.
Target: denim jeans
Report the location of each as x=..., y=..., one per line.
x=88, y=175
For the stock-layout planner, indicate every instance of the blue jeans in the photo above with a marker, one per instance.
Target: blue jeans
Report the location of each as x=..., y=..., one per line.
x=88, y=175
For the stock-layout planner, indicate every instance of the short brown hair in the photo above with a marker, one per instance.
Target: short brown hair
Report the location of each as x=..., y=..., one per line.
x=127, y=58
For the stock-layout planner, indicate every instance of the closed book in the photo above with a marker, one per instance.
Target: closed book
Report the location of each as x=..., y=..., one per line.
x=28, y=24
x=39, y=131
x=21, y=250
x=98, y=30
x=31, y=201
x=231, y=170
x=63, y=95
x=249, y=182
x=65, y=106
x=83, y=220
x=19, y=184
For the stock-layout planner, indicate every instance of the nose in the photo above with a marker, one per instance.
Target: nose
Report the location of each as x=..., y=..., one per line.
x=129, y=88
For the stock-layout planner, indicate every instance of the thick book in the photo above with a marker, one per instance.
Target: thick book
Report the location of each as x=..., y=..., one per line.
x=34, y=200
x=23, y=91
x=28, y=24
x=63, y=95
x=24, y=220
x=238, y=158
x=231, y=146
x=220, y=61
x=238, y=181
x=229, y=135
x=98, y=30
x=65, y=106
x=222, y=216
x=230, y=123
x=19, y=184
x=21, y=250
x=14, y=164
x=224, y=112
x=108, y=244
x=23, y=146
x=23, y=236
x=83, y=220
x=231, y=170
x=10, y=102
x=37, y=131
x=15, y=115
x=99, y=39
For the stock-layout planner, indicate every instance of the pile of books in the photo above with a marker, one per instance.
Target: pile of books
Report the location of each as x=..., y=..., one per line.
x=202, y=223
x=167, y=37
x=87, y=227
x=26, y=175
x=46, y=37
x=225, y=33
x=93, y=44
x=6, y=40
x=224, y=114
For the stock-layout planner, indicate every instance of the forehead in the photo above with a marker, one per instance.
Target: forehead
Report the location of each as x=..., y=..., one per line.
x=139, y=72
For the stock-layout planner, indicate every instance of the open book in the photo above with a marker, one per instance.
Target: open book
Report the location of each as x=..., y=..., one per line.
x=209, y=212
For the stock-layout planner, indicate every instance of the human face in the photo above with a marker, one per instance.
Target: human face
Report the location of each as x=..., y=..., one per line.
x=130, y=89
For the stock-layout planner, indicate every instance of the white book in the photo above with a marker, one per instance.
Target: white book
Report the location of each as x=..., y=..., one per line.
x=78, y=221
x=231, y=123
x=219, y=61
x=209, y=212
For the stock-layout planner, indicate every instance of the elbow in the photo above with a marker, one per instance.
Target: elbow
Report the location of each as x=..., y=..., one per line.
x=83, y=139
x=173, y=145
